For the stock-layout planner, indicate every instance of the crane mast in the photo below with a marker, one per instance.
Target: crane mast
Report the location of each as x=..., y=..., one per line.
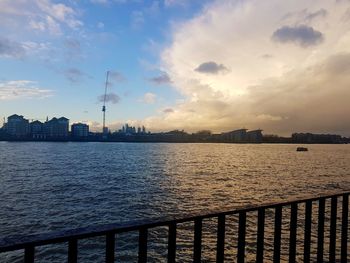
x=104, y=129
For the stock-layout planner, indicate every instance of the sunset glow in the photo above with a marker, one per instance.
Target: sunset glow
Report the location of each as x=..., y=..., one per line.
x=282, y=66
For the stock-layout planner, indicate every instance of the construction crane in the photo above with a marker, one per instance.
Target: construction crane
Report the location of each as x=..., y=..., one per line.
x=104, y=129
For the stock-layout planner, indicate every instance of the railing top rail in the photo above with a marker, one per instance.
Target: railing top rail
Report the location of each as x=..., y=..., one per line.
x=20, y=242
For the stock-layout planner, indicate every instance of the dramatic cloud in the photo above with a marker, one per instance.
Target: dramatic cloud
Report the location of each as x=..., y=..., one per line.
x=32, y=48
x=168, y=110
x=162, y=79
x=73, y=49
x=115, y=76
x=40, y=15
x=110, y=97
x=211, y=68
x=298, y=96
x=22, y=89
x=20, y=50
x=72, y=44
x=278, y=88
x=338, y=64
x=74, y=75
x=149, y=98
x=318, y=14
x=10, y=48
x=304, y=16
x=302, y=35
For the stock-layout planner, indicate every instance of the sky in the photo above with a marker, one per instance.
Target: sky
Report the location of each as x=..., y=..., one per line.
x=219, y=65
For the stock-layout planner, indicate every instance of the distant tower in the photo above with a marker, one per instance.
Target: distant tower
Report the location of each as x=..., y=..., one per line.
x=105, y=129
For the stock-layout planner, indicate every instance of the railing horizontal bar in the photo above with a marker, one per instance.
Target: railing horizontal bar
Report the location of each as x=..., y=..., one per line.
x=29, y=254
x=20, y=242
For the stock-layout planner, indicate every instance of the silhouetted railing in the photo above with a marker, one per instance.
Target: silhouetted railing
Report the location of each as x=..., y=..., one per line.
x=29, y=243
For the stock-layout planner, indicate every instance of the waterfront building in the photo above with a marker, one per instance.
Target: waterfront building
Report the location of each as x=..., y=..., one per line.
x=79, y=130
x=17, y=126
x=254, y=136
x=235, y=136
x=57, y=128
x=37, y=130
x=316, y=138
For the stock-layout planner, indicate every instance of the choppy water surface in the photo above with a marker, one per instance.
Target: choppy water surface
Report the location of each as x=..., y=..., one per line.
x=47, y=187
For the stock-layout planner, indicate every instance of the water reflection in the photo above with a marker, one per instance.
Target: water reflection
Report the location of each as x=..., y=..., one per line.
x=53, y=186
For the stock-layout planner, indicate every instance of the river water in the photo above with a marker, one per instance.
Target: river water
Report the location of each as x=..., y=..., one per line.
x=47, y=187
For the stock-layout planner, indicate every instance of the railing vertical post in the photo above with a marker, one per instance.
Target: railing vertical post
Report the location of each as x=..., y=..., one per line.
x=197, y=250
x=320, y=232
x=344, y=229
x=333, y=230
x=277, y=235
x=172, y=243
x=29, y=254
x=241, y=237
x=220, y=247
x=293, y=232
x=110, y=245
x=260, y=236
x=73, y=251
x=143, y=245
x=307, y=233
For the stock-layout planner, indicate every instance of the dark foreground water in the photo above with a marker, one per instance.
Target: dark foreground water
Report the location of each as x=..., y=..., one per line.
x=47, y=187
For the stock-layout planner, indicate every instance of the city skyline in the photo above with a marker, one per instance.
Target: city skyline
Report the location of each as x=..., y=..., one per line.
x=18, y=127
x=192, y=65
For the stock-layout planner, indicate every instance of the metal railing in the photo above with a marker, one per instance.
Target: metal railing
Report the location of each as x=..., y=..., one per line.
x=29, y=243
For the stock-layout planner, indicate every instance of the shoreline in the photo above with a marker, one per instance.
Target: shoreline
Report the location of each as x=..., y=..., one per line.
x=163, y=141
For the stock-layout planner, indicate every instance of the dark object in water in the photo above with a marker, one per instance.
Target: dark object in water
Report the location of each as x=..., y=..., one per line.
x=302, y=149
